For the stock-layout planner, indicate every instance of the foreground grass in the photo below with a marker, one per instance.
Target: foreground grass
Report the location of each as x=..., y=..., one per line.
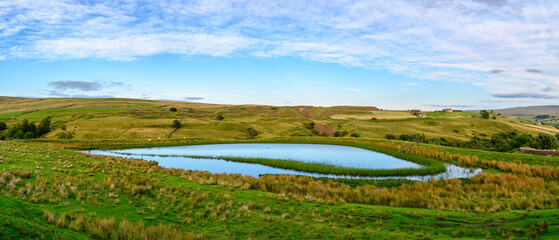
x=53, y=193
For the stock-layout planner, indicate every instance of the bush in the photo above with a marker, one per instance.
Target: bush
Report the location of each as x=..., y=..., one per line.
x=176, y=123
x=252, y=133
x=390, y=136
x=416, y=137
x=173, y=109
x=544, y=141
x=64, y=135
x=355, y=135
x=373, y=118
x=309, y=125
x=339, y=133
x=3, y=126
x=19, y=135
x=219, y=117
x=484, y=114
x=29, y=135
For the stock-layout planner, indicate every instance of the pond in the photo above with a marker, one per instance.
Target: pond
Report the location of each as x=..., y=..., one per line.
x=343, y=156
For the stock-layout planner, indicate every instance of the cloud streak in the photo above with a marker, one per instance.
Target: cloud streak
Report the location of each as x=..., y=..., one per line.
x=526, y=95
x=78, y=85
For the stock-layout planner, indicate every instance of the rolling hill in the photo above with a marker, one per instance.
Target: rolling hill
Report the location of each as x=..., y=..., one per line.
x=116, y=118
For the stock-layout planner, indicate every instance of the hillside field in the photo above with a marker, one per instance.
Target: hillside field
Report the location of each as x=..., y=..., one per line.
x=144, y=119
x=49, y=190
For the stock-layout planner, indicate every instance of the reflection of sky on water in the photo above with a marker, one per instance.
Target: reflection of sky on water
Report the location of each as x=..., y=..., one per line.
x=330, y=154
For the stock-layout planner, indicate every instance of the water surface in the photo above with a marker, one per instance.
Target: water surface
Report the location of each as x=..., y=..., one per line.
x=343, y=156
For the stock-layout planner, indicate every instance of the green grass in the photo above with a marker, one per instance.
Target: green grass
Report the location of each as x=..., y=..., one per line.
x=144, y=119
x=49, y=191
x=193, y=208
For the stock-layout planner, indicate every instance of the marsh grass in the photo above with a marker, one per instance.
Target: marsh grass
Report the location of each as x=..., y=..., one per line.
x=155, y=201
x=432, y=166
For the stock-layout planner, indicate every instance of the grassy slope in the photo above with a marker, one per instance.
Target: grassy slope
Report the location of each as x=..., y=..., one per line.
x=193, y=207
x=144, y=119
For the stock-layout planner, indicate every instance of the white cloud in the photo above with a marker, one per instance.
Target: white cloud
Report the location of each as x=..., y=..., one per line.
x=431, y=40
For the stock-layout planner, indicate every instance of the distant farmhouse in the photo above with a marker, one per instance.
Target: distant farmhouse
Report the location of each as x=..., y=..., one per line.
x=448, y=110
x=418, y=113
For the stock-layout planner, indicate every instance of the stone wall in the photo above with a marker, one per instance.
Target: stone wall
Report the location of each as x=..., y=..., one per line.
x=552, y=153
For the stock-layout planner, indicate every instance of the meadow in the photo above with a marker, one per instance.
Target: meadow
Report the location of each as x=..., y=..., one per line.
x=50, y=191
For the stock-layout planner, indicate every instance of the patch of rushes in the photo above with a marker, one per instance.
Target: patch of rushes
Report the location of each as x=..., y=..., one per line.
x=431, y=166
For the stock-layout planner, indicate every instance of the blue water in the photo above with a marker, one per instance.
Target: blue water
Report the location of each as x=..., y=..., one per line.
x=343, y=156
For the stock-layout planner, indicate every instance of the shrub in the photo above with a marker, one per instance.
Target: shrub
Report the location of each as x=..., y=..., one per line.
x=3, y=126
x=355, y=135
x=64, y=135
x=484, y=114
x=219, y=117
x=390, y=137
x=173, y=109
x=252, y=133
x=416, y=137
x=176, y=123
x=373, y=118
x=544, y=141
x=2, y=138
x=339, y=133
x=19, y=134
x=309, y=125
x=29, y=135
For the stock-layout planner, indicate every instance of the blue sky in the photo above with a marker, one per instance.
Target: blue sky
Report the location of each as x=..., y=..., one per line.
x=393, y=54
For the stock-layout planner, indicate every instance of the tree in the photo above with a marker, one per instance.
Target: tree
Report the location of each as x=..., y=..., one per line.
x=252, y=133
x=484, y=114
x=19, y=135
x=3, y=126
x=29, y=135
x=44, y=127
x=173, y=109
x=544, y=141
x=176, y=124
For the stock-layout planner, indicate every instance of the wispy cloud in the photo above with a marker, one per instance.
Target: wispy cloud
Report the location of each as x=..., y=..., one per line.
x=526, y=95
x=193, y=98
x=488, y=43
x=534, y=70
x=501, y=100
x=80, y=85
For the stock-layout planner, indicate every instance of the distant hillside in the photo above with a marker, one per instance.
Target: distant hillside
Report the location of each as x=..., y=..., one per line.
x=529, y=111
x=119, y=118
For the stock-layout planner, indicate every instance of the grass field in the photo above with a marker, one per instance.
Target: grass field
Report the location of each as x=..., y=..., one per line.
x=144, y=119
x=48, y=191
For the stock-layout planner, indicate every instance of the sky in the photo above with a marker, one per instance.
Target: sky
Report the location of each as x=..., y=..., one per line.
x=392, y=54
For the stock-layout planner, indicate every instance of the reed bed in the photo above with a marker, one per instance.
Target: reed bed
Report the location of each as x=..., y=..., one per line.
x=432, y=166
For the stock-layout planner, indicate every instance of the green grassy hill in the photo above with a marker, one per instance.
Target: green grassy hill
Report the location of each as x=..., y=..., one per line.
x=115, y=118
